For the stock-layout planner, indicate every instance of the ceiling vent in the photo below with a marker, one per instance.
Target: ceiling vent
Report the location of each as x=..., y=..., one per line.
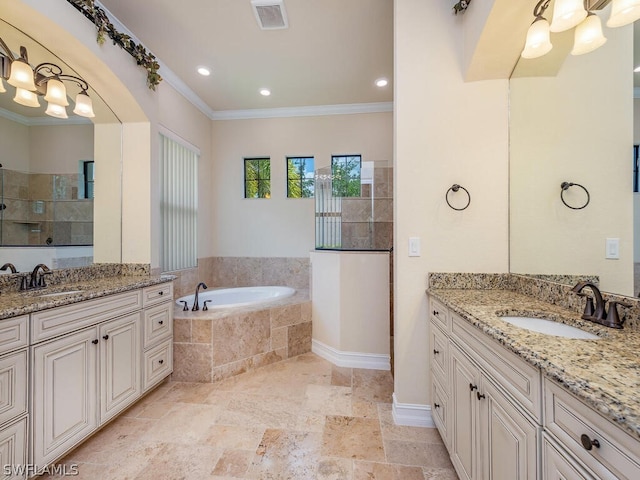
x=270, y=14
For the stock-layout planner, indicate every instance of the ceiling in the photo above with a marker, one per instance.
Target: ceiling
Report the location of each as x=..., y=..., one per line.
x=331, y=54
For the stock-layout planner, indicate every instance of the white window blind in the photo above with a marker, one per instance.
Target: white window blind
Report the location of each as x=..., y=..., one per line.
x=179, y=204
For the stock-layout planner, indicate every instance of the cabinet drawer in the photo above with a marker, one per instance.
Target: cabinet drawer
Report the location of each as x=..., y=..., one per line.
x=58, y=321
x=13, y=450
x=568, y=419
x=13, y=333
x=559, y=465
x=13, y=385
x=440, y=410
x=439, y=354
x=158, y=323
x=158, y=363
x=157, y=294
x=439, y=314
x=516, y=376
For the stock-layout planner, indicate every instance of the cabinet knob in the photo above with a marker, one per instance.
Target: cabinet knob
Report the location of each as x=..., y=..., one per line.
x=473, y=387
x=587, y=443
x=161, y=322
x=160, y=293
x=106, y=337
x=160, y=362
x=436, y=312
x=436, y=352
x=436, y=405
x=480, y=396
x=95, y=342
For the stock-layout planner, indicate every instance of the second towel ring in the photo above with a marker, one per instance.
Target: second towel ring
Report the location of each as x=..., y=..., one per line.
x=454, y=188
x=565, y=186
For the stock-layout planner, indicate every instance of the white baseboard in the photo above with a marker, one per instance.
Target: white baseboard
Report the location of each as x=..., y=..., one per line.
x=411, y=414
x=371, y=361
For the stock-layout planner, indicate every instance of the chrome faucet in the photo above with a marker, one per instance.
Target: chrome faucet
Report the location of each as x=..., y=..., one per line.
x=196, y=307
x=10, y=266
x=38, y=281
x=597, y=314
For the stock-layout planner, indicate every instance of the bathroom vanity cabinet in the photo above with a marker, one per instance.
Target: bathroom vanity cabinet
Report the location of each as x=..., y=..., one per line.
x=500, y=418
x=91, y=360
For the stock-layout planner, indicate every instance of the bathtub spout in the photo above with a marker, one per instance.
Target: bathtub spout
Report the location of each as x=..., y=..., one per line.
x=196, y=307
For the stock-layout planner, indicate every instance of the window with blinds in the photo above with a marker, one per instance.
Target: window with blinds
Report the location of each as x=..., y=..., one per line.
x=178, y=204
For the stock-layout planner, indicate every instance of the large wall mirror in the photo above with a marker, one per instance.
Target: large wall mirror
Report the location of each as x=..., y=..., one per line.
x=48, y=171
x=572, y=120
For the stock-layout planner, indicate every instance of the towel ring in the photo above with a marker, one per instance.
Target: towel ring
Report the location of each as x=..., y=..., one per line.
x=565, y=186
x=454, y=188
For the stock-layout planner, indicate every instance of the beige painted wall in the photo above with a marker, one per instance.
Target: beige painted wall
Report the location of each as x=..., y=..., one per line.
x=281, y=226
x=58, y=148
x=576, y=127
x=446, y=131
x=14, y=138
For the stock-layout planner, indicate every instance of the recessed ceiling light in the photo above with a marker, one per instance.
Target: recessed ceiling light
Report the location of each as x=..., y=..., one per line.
x=265, y=92
x=204, y=71
x=382, y=82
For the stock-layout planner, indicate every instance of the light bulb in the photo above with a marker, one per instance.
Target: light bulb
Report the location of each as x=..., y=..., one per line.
x=26, y=98
x=588, y=35
x=623, y=12
x=567, y=14
x=56, y=92
x=56, y=110
x=538, y=42
x=21, y=75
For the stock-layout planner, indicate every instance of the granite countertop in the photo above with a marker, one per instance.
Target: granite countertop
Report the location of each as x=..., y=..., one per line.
x=21, y=303
x=604, y=373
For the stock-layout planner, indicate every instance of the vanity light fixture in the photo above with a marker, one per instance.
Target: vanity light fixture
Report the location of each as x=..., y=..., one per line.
x=580, y=14
x=45, y=79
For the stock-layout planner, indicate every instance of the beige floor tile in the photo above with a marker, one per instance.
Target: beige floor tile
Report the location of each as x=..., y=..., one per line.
x=185, y=423
x=185, y=392
x=341, y=376
x=332, y=468
x=364, y=408
x=384, y=471
x=155, y=410
x=234, y=437
x=177, y=462
x=439, y=474
x=286, y=455
x=372, y=385
x=327, y=400
x=261, y=411
x=352, y=437
x=391, y=431
x=417, y=453
x=234, y=463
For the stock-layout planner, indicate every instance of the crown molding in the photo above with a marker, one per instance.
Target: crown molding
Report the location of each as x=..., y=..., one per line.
x=42, y=121
x=310, y=111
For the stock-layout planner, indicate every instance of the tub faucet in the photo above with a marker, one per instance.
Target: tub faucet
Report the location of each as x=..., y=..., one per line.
x=597, y=314
x=10, y=266
x=38, y=281
x=196, y=307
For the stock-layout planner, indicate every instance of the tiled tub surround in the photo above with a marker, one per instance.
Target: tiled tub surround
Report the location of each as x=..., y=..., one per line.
x=604, y=373
x=243, y=272
x=216, y=344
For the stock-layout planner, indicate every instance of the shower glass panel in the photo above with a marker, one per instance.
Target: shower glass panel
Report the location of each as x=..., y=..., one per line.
x=361, y=223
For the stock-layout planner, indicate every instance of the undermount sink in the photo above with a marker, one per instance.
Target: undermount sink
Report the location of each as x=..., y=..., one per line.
x=59, y=294
x=549, y=327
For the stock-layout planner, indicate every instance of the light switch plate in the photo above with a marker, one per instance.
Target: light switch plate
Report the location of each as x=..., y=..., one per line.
x=414, y=246
x=612, y=248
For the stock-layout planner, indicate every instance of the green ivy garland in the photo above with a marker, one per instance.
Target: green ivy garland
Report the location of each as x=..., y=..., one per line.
x=461, y=6
x=99, y=18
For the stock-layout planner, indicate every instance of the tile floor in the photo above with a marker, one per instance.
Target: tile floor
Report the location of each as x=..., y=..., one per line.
x=300, y=419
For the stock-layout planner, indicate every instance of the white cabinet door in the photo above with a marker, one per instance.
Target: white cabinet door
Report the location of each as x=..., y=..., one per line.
x=465, y=378
x=508, y=440
x=120, y=356
x=13, y=385
x=64, y=393
x=13, y=451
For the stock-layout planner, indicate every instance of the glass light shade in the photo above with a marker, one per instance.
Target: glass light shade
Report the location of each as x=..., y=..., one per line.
x=2, y=89
x=588, y=36
x=84, y=106
x=623, y=12
x=26, y=98
x=21, y=75
x=567, y=14
x=538, y=42
x=56, y=110
x=56, y=92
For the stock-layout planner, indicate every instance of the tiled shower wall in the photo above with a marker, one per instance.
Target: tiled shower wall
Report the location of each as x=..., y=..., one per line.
x=243, y=272
x=39, y=206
